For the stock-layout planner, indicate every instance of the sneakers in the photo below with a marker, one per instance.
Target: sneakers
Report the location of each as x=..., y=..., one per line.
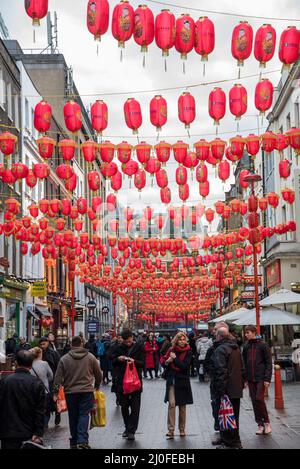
x=170, y=435
x=217, y=442
x=268, y=429
x=125, y=434
x=261, y=430
x=182, y=433
x=130, y=437
x=84, y=446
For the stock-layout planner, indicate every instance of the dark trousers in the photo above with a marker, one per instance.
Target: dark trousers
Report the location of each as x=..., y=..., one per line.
x=80, y=406
x=150, y=372
x=130, y=405
x=257, y=395
x=231, y=438
x=12, y=443
x=215, y=405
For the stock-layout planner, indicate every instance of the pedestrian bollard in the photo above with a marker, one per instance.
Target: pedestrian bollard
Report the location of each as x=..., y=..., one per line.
x=279, y=403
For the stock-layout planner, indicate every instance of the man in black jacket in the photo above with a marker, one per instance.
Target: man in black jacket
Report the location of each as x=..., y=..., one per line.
x=258, y=364
x=22, y=405
x=132, y=352
x=228, y=380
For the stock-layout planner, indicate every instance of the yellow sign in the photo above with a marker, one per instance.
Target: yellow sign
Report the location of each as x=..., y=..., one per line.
x=39, y=289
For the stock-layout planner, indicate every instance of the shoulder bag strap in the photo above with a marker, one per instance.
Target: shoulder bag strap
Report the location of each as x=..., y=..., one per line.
x=45, y=387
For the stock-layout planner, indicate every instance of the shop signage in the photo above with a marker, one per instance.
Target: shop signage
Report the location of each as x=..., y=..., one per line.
x=91, y=304
x=250, y=279
x=248, y=295
x=105, y=310
x=274, y=274
x=64, y=314
x=39, y=289
x=11, y=294
x=79, y=315
x=93, y=327
x=1, y=321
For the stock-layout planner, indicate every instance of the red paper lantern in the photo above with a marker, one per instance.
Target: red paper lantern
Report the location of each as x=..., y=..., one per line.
x=107, y=151
x=209, y=215
x=124, y=151
x=238, y=101
x=153, y=166
x=64, y=171
x=289, y=46
x=263, y=204
x=7, y=143
x=73, y=116
x=268, y=140
x=253, y=144
x=282, y=142
x=224, y=171
x=71, y=183
x=130, y=168
x=33, y=210
x=288, y=195
x=285, y=169
x=158, y=112
x=108, y=170
x=265, y=44
x=162, y=178
x=165, y=195
x=180, y=150
x=140, y=180
x=165, y=31
x=202, y=173
x=19, y=170
x=96, y=203
x=46, y=147
x=89, y=150
x=42, y=117
x=218, y=147
x=143, y=152
x=94, y=180
x=264, y=92
x=163, y=152
x=185, y=35
x=181, y=176
x=187, y=109
x=184, y=192
x=143, y=27
x=41, y=170
x=133, y=114
x=273, y=199
x=111, y=201
x=204, y=189
x=99, y=116
x=237, y=145
x=217, y=105
x=294, y=139
x=36, y=9
x=123, y=22
x=67, y=149
x=242, y=41
x=98, y=17
x=204, y=37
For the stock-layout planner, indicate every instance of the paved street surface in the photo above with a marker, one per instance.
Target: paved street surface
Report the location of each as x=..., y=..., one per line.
x=152, y=428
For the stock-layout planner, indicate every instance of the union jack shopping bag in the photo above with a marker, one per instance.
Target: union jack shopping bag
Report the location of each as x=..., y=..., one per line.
x=226, y=415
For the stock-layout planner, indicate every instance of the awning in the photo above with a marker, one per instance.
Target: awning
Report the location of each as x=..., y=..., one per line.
x=43, y=311
x=269, y=317
x=281, y=297
x=32, y=312
x=234, y=315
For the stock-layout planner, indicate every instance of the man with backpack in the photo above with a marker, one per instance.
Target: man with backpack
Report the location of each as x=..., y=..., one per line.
x=91, y=345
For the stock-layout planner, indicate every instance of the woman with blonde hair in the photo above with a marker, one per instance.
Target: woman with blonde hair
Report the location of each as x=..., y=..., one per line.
x=41, y=370
x=177, y=373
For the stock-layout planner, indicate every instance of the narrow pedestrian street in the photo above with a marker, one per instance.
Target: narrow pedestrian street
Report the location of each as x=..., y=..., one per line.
x=152, y=427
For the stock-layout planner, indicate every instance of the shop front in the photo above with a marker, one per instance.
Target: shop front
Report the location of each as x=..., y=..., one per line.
x=12, y=297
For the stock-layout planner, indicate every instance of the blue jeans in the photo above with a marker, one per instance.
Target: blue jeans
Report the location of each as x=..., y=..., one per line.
x=80, y=406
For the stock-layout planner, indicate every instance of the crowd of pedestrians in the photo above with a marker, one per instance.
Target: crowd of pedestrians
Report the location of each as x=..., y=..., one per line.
x=29, y=397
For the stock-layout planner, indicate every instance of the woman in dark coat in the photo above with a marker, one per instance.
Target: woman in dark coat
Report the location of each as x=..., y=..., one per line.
x=179, y=392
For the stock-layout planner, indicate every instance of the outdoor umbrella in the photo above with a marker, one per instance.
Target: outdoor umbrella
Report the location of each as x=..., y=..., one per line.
x=237, y=314
x=281, y=297
x=269, y=317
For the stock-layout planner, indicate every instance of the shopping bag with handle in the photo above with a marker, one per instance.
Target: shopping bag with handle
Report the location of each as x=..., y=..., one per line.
x=131, y=381
x=99, y=410
x=226, y=415
x=61, y=404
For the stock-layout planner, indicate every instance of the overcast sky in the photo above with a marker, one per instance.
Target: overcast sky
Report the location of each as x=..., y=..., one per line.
x=105, y=73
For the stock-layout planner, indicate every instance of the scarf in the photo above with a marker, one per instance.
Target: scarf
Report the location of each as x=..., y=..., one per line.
x=181, y=353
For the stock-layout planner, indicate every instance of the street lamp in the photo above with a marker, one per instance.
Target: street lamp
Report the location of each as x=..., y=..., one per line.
x=252, y=179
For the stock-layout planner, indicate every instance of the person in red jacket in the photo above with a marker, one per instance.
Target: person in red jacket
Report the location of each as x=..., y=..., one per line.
x=150, y=349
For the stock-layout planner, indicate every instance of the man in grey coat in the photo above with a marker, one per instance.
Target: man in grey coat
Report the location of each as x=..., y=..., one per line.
x=80, y=374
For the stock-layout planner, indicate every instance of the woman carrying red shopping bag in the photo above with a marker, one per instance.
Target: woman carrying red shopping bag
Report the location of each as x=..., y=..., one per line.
x=128, y=364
